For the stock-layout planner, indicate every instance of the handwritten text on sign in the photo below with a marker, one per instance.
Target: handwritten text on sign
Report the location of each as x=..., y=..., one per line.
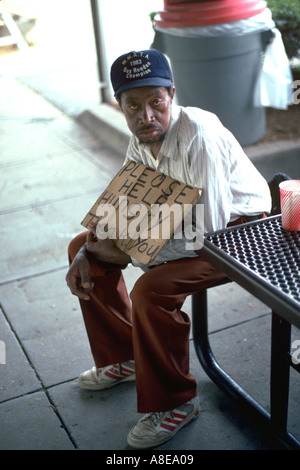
x=134, y=210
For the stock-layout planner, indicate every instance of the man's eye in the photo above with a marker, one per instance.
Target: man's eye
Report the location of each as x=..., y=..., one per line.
x=133, y=107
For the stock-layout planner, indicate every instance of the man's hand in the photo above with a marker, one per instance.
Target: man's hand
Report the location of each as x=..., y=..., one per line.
x=106, y=250
x=78, y=276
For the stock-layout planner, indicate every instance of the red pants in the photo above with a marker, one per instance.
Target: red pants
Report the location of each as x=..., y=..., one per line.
x=152, y=329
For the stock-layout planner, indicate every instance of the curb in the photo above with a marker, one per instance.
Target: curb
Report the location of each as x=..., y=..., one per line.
x=109, y=123
x=105, y=121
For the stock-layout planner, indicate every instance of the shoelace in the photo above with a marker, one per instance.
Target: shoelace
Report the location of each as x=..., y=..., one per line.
x=117, y=366
x=155, y=417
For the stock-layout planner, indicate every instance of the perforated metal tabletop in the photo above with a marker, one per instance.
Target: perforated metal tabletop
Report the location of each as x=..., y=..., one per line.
x=264, y=258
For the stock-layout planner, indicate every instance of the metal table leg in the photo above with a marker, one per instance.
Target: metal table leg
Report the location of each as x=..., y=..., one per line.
x=233, y=389
x=280, y=372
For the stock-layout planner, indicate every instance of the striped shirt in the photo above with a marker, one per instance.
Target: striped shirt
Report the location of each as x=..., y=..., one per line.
x=198, y=150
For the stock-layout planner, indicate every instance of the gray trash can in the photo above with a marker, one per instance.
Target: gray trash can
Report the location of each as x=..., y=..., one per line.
x=219, y=74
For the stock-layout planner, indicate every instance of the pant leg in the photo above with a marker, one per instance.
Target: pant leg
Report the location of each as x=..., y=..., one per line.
x=161, y=332
x=107, y=315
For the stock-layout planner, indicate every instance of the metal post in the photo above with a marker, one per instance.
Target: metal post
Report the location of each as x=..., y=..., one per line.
x=103, y=71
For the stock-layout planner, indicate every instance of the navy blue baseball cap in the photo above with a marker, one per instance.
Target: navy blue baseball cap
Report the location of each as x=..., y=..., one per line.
x=140, y=69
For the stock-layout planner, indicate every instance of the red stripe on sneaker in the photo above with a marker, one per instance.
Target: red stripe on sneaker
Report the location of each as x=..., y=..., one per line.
x=166, y=426
x=126, y=371
x=171, y=424
x=115, y=374
x=174, y=421
x=181, y=415
x=111, y=374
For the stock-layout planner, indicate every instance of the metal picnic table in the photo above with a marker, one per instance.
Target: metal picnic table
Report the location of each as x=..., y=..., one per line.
x=263, y=258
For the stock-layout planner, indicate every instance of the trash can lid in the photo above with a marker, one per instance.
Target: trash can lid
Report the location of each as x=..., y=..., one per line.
x=205, y=13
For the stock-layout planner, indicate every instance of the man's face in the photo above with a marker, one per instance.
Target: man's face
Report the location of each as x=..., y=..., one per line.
x=148, y=112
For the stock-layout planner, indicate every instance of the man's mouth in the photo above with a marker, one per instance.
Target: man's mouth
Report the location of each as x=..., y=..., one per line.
x=149, y=131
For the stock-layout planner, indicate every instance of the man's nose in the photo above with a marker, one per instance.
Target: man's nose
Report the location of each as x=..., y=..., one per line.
x=146, y=114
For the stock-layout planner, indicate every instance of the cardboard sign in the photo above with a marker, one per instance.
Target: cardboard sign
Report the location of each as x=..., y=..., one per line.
x=140, y=209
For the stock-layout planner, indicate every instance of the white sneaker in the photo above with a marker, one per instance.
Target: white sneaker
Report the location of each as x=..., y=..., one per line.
x=158, y=427
x=107, y=377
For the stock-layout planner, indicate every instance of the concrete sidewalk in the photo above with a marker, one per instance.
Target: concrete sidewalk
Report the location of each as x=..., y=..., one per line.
x=52, y=170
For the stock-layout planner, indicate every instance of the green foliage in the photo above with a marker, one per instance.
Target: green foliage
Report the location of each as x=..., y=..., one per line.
x=286, y=15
